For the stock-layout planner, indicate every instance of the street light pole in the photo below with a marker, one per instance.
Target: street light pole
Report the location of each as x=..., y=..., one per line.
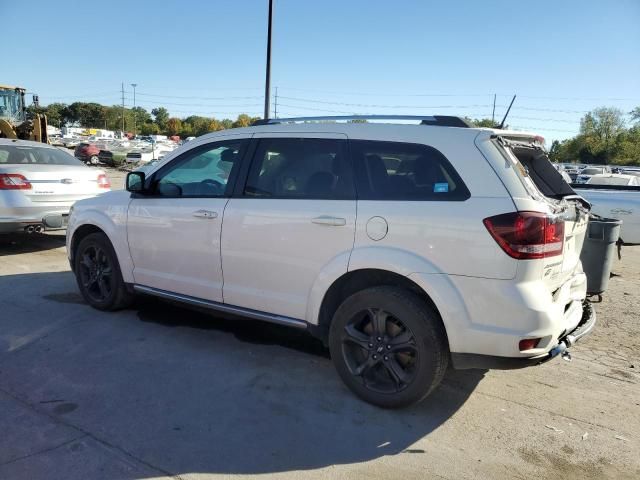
x=134, y=85
x=267, y=86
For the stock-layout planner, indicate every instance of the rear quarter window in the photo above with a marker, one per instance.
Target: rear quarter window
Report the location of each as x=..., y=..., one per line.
x=404, y=171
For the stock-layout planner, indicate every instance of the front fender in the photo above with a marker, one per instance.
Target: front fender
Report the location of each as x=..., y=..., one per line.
x=113, y=222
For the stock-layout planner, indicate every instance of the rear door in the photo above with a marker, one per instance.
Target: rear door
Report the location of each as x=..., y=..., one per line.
x=294, y=216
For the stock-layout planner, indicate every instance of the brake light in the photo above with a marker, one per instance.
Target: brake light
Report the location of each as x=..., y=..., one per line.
x=13, y=181
x=103, y=181
x=527, y=235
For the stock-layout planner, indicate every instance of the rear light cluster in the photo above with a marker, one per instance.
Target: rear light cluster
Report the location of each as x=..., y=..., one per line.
x=527, y=235
x=13, y=181
x=103, y=181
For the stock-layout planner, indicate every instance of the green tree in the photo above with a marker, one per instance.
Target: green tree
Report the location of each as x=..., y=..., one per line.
x=600, y=129
x=160, y=115
x=482, y=122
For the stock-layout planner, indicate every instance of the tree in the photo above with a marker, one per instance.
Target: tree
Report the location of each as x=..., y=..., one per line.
x=482, y=122
x=600, y=129
x=243, y=120
x=635, y=115
x=174, y=126
x=161, y=115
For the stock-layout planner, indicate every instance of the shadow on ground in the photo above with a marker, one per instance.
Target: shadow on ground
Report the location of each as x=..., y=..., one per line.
x=185, y=392
x=15, y=243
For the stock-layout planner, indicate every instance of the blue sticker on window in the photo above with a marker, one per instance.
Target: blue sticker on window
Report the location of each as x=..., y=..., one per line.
x=440, y=187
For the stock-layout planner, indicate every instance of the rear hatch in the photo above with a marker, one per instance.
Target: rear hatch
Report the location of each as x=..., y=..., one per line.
x=545, y=184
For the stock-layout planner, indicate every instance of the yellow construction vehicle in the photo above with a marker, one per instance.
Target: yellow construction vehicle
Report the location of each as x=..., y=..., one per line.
x=14, y=122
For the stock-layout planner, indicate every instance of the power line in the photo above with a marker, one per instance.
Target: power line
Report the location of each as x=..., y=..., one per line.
x=252, y=97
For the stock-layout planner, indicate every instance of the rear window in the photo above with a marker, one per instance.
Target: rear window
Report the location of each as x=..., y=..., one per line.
x=538, y=168
x=592, y=171
x=404, y=171
x=28, y=155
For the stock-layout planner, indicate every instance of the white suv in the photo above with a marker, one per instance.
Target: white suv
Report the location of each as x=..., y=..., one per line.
x=404, y=247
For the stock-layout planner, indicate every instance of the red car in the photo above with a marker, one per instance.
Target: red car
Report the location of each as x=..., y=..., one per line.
x=88, y=153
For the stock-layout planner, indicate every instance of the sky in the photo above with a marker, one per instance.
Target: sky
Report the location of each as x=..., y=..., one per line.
x=334, y=57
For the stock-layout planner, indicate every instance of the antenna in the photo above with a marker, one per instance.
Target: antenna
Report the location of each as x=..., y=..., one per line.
x=501, y=126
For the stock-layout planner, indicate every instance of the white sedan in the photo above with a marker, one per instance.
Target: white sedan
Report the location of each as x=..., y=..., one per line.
x=39, y=183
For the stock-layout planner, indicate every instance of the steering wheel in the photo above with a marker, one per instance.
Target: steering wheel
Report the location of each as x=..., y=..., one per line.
x=214, y=183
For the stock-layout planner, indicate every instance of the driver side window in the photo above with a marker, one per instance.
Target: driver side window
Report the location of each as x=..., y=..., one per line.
x=201, y=172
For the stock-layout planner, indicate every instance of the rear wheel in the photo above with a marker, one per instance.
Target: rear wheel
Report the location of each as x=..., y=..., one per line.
x=98, y=274
x=389, y=346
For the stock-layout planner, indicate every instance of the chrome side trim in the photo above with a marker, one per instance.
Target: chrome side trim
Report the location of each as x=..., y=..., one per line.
x=221, y=307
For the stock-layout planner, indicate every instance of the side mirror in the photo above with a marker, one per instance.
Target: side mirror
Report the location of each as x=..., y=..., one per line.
x=135, y=182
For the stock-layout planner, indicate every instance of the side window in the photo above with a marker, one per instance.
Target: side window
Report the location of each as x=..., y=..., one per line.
x=404, y=171
x=300, y=168
x=202, y=172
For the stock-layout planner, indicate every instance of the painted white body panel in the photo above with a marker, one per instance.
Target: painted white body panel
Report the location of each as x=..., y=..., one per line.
x=174, y=250
x=108, y=212
x=620, y=204
x=272, y=252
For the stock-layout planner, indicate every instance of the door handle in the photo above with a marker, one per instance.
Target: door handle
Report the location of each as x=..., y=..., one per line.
x=205, y=214
x=328, y=220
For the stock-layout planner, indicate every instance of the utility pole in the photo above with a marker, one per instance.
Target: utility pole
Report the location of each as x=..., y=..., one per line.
x=493, y=114
x=267, y=83
x=275, y=105
x=134, y=85
x=123, y=108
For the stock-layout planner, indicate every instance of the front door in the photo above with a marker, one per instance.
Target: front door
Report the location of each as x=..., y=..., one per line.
x=293, y=219
x=174, y=232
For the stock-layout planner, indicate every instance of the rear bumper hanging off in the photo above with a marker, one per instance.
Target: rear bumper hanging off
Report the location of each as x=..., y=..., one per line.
x=462, y=361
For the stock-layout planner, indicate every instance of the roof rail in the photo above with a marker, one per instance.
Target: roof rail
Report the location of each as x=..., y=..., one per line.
x=438, y=120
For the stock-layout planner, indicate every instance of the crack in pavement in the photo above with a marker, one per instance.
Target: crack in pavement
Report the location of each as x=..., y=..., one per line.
x=46, y=450
x=533, y=407
x=87, y=433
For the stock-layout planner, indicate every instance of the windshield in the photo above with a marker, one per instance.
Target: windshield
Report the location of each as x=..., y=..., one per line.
x=11, y=106
x=609, y=181
x=28, y=155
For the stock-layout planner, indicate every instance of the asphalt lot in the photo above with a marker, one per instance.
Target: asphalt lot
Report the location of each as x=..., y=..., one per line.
x=161, y=391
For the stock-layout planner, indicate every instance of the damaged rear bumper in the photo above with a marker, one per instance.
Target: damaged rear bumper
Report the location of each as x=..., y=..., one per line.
x=462, y=361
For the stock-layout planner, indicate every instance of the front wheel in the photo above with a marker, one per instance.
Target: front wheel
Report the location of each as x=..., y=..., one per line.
x=388, y=346
x=98, y=274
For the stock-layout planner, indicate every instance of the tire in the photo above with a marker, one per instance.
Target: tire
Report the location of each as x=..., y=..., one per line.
x=401, y=365
x=94, y=160
x=98, y=274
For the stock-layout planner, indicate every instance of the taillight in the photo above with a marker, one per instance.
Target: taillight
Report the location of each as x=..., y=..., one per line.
x=527, y=235
x=103, y=181
x=13, y=181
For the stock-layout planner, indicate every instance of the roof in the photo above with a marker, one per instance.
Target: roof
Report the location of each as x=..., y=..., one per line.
x=10, y=87
x=24, y=143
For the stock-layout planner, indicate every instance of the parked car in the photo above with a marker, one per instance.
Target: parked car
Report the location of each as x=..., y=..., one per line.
x=406, y=248
x=105, y=157
x=88, y=153
x=586, y=173
x=38, y=185
x=618, y=179
x=139, y=156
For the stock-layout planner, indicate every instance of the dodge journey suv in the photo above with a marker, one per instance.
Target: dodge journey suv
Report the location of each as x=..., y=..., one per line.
x=405, y=247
